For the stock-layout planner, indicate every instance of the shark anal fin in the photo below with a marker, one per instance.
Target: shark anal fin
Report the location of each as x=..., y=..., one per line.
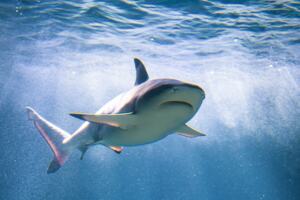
x=119, y=120
x=116, y=149
x=187, y=131
x=141, y=73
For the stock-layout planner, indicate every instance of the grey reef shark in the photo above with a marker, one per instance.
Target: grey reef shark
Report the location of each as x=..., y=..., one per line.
x=150, y=111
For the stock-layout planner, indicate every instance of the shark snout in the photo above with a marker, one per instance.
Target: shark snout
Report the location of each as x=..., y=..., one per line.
x=186, y=94
x=195, y=88
x=189, y=88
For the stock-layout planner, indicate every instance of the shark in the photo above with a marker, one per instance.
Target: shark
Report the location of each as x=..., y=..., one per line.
x=148, y=112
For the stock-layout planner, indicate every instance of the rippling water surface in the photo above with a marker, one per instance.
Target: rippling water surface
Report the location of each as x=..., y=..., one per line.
x=65, y=56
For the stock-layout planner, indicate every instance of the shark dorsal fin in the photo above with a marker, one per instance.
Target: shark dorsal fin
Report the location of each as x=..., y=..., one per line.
x=141, y=72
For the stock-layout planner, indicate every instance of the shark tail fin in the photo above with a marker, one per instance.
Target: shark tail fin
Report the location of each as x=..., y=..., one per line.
x=54, y=137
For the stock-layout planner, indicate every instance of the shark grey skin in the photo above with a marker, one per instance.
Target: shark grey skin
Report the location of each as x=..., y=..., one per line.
x=150, y=111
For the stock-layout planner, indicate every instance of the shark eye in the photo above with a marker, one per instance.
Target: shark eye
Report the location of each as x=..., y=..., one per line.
x=174, y=89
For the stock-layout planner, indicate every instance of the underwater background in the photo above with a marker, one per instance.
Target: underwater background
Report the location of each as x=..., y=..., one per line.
x=62, y=56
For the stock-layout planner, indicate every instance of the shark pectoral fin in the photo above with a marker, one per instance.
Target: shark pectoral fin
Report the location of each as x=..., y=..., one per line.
x=187, y=131
x=116, y=149
x=119, y=120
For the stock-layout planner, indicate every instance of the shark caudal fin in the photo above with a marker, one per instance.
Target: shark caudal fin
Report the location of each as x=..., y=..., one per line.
x=54, y=137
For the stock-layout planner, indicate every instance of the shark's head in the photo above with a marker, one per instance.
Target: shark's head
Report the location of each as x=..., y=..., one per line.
x=166, y=92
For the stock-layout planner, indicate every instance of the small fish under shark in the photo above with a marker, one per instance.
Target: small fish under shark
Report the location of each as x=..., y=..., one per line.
x=150, y=111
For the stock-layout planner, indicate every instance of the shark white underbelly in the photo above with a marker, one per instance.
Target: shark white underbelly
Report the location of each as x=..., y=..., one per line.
x=151, y=126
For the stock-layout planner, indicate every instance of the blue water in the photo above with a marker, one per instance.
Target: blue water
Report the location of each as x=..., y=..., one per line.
x=66, y=56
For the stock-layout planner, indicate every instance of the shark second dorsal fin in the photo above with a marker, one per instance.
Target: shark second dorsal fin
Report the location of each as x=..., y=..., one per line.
x=141, y=72
x=83, y=150
x=121, y=120
x=187, y=131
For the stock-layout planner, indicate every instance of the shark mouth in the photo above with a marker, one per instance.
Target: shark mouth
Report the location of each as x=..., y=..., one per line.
x=177, y=103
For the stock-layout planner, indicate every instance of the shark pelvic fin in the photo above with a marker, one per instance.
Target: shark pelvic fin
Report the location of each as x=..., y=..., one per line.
x=116, y=149
x=121, y=120
x=187, y=131
x=141, y=72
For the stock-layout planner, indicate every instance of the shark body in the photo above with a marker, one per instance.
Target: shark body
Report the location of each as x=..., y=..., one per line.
x=150, y=111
